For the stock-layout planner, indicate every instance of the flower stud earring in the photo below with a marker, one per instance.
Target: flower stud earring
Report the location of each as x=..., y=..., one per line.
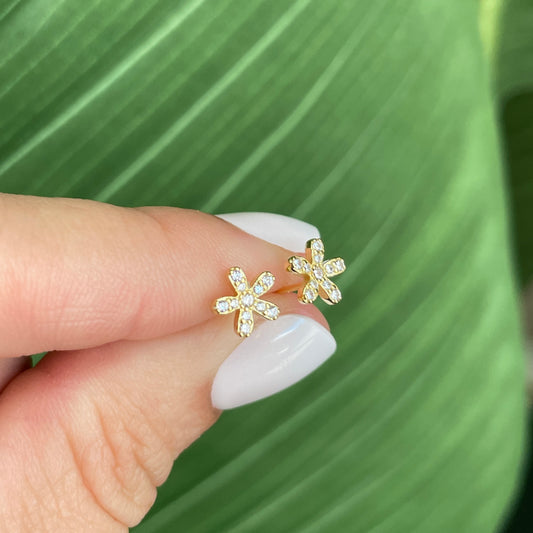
x=317, y=271
x=246, y=301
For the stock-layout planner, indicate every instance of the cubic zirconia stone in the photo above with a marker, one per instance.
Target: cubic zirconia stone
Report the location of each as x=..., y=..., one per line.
x=222, y=306
x=260, y=306
x=313, y=284
x=329, y=269
x=297, y=263
x=307, y=267
x=309, y=294
x=317, y=271
x=246, y=315
x=247, y=300
x=258, y=289
x=326, y=284
x=241, y=287
x=268, y=281
x=246, y=328
x=316, y=258
x=236, y=275
x=336, y=295
x=273, y=312
x=317, y=245
x=339, y=265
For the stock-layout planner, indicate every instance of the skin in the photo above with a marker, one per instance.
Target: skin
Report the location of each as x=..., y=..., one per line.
x=121, y=301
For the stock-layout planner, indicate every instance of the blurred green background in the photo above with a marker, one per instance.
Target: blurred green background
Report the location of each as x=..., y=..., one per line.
x=403, y=130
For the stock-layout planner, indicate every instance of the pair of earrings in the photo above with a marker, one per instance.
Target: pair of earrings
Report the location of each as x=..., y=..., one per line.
x=247, y=299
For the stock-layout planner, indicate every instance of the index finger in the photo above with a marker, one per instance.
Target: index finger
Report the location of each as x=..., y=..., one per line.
x=77, y=273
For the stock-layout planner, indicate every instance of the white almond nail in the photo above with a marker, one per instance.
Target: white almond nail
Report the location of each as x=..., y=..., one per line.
x=290, y=233
x=276, y=356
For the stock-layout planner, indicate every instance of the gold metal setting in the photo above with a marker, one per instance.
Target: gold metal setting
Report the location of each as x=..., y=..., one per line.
x=317, y=272
x=247, y=301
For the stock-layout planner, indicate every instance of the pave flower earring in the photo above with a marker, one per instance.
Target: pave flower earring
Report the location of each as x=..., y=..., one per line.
x=247, y=301
x=317, y=272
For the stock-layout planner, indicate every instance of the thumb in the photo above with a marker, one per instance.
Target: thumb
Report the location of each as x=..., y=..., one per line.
x=109, y=421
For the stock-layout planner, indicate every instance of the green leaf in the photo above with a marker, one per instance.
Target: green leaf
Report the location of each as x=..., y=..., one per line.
x=518, y=139
x=374, y=121
x=513, y=58
x=513, y=50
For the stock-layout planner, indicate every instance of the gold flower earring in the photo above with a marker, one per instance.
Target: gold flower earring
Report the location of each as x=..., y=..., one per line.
x=246, y=300
x=317, y=273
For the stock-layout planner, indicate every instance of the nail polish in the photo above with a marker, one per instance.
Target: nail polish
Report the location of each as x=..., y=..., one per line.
x=275, y=357
x=290, y=233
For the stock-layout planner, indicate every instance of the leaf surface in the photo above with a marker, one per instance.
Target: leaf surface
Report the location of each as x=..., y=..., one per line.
x=372, y=120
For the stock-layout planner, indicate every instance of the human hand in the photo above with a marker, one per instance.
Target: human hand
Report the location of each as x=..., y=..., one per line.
x=121, y=299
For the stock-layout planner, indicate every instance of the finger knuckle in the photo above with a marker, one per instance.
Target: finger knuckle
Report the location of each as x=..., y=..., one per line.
x=121, y=458
x=98, y=454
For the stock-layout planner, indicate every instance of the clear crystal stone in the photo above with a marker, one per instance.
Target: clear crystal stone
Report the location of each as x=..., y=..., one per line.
x=329, y=269
x=318, y=273
x=245, y=328
x=317, y=245
x=339, y=264
x=236, y=275
x=309, y=294
x=247, y=300
x=258, y=289
x=313, y=284
x=222, y=306
x=234, y=303
x=273, y=312
x=307, y=267
x=297, y=263
x=268, y=280
x=336, y=295
x=316, y=258
x=246, y=315
x=260, y=306
x=326, y=284
x=241, y=287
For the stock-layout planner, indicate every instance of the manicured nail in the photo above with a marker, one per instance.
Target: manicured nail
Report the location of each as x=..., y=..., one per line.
x=275, y=357
x=287, y=232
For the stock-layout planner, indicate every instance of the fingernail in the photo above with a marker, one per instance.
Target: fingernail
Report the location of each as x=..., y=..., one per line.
x=288, y=232
x=276, y=356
